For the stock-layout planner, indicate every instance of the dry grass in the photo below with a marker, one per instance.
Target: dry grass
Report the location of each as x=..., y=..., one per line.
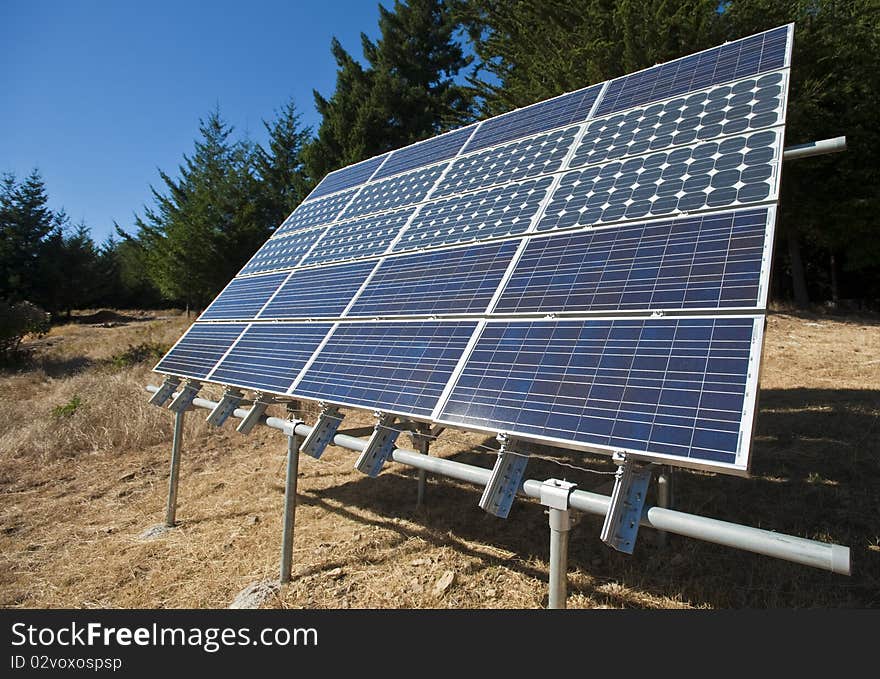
x=78, y=489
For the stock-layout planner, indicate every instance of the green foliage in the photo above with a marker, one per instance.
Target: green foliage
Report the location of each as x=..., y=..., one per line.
x=139, y=353
x=17, y=320
x=67, y=409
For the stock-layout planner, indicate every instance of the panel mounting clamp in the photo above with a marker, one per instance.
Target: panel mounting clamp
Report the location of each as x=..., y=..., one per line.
x=322, y=432
x=555, y=494
x=165, y=391
x=621, y=525
x=227, y=405
x=255, y=413
x=185, y=396
x=292, y=422
x=380, y=445
x=500, y=492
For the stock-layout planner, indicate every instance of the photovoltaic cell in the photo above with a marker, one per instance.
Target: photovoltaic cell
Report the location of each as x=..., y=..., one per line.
x=283, y=252
x=500, y=211
x=243, y=297
x=359, y=237
x=269, y=356
x=315, y=212
x=667, y=386
x=711, y=261
x=518, y=160
x=736, y=171
x=395, y=367
x=426, y=152
x=394, y=192
x=739, y=59
x=546, y=115
x=745, y=105
x=199, y=349
x=347, y=177
x=320, y=292
x=457, y=281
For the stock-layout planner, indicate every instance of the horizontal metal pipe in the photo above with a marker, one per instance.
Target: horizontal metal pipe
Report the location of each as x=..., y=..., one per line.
x=815, y=148
x=829, y=557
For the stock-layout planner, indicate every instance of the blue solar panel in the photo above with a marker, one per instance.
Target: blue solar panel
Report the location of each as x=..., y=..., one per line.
x=546, y=115
x=736, y=171
x=269, y=356
x=315, y=212
x=397, y=191
x=740, y=59
x=359, y=237
x=456, y=281
x=667, y=386
x=425, y=152
x=321, y=292
x=283, y=252
x=395, y=367
x=711, y=261
x=345, y=178
x=199, y=349
x=243, y=297
x=521, y=159
x=749, y=104
x=501, y=211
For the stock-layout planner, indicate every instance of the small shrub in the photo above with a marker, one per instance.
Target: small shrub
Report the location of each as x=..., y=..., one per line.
x=139, y=353
x=17, y=321
x=68, y=408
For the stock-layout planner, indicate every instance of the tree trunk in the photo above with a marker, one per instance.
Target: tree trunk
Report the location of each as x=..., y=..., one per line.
x=798, y=280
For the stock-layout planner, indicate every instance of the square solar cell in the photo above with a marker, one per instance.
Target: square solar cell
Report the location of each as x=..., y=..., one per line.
x=269, y=356
x=347, y=177
x=196, y=353
x=669, y=387
x=321, y=292
x=282, y=252
x=395, y=367
x=360, y=237
x=425, y=152
x=457, y=281
x=315, y=212
x=243, y=297
x=712, y=261
x=394, y=192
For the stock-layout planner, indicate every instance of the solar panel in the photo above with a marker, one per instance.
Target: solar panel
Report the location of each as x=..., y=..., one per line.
x=589, y=271
x=711, y=261
x=457, y=281
x=670, y=387
x=397, y=367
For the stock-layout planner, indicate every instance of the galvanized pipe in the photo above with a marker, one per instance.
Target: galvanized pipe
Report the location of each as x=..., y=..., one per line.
x=293, y=443
x=560, y=525
x=830, y=557
x=664, y=498
x=171, y=507
x=815, y=148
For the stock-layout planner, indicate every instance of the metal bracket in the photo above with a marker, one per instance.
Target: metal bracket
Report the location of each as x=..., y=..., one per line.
x=227, y=405
x=627, y=501
x=255, y=413
x=505, y=481
x=379, y=446
x=165, y=392
x=185, y=396
x=322, y=432
x=555, y=494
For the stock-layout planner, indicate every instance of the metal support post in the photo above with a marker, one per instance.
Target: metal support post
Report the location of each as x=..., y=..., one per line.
x=555, y=495
x=664, y=498
x=422, y=438
x=294, y=441
x=171, y=508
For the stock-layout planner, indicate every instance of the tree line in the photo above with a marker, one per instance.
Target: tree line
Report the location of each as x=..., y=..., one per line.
x=439, y=64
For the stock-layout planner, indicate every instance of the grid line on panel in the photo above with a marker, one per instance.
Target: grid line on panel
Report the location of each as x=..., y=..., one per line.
x=711, y=175
x=315, y=213
x=457, y=281
x=739, y=59
x=347, y=177
x=711, y=261
x=425, y=152
x=269, y=356
x=282, y=252
x=394, y=192
x=560, y=111
x=398, y=367
x=362, y=237
x=243, y=298
x=197, y=352
x=319, y=292
x=667, y=386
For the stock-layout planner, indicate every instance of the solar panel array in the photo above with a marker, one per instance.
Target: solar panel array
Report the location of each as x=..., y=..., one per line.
x=590, y=271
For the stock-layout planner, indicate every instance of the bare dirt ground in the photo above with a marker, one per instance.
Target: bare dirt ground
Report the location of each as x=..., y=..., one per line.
x=84, y=467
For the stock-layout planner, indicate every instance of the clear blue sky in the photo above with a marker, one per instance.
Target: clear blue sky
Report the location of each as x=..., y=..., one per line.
x=99, y=94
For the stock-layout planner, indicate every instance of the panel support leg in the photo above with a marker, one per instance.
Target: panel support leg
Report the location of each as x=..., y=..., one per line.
x=422, y=440
x=555, y=495
x=171, y=507
x=293, y=443
x=664, y=498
